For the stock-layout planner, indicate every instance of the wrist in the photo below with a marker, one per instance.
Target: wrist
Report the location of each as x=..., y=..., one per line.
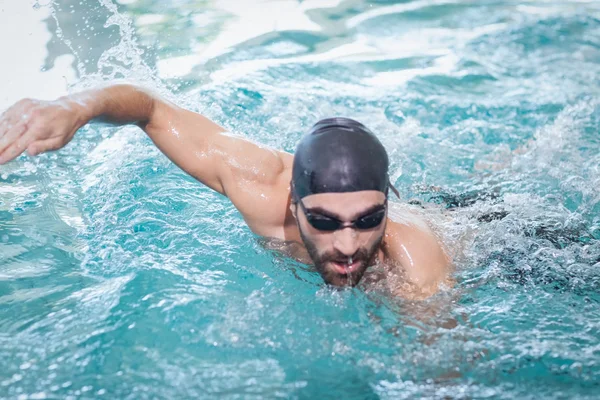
x=83, y=106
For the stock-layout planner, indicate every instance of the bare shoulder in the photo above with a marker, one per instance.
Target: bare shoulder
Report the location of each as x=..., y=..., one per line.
x=412, y=245
x=259, y=187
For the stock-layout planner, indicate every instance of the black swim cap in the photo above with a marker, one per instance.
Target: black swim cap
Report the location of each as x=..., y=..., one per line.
x=339, y=155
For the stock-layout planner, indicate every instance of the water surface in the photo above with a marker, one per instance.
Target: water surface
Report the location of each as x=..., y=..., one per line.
x=121, y=277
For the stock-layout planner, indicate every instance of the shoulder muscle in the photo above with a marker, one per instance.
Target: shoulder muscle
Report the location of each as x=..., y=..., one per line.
x=419, y=252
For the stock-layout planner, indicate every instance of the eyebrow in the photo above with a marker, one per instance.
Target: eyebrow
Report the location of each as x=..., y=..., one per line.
x=322, y=211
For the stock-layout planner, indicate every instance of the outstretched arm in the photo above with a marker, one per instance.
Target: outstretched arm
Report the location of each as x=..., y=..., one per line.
x=250, y=175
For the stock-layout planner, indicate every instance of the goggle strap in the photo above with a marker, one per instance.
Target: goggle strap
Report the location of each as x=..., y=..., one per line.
x=396, y=192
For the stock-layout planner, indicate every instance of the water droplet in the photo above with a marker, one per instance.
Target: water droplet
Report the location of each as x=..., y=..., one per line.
x=25, y=365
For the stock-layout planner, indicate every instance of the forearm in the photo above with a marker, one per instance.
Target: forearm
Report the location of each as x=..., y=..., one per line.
x=118, y=104
x=40, y=126
x=189, y=139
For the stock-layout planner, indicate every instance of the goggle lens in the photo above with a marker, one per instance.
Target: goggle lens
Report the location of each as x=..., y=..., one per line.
x=328, y=224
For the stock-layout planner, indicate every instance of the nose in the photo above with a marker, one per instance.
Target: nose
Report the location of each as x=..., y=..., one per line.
x=346, y=241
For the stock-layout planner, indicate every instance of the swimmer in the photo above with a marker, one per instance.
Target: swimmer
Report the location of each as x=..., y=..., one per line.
x=328, y=203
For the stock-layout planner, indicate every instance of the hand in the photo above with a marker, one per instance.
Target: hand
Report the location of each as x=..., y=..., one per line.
x=37, y=126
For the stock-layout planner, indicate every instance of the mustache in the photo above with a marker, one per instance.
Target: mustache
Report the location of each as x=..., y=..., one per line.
x=336, y=256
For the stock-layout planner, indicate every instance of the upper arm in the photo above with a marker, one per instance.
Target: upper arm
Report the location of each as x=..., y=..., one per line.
x=421, y=255
x=249, y=174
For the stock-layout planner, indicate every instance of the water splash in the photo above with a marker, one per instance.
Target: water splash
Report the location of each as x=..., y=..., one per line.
x=171, y=274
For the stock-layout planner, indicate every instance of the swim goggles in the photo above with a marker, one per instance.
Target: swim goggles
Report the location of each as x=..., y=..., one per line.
x=330, y=224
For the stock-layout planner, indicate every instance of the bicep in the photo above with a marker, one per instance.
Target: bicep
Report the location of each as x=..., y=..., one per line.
x=205, y=151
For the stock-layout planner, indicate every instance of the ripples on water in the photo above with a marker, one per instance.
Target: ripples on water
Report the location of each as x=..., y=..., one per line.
x=120, y=277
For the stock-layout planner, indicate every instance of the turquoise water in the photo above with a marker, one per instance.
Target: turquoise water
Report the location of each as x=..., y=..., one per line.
x=121, y=277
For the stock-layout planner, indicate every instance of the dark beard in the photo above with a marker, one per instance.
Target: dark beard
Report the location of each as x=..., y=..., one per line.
x=365, y=256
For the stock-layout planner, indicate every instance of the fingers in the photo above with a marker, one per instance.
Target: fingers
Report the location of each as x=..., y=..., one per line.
x=33, y=148
x=8, y=142
x=6, y=123
x=41, y=146
x=30, y=124
x=14, y=114
x=13, y=124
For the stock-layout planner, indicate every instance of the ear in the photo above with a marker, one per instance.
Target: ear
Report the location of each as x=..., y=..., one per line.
x=293, y=203
x=294, y=209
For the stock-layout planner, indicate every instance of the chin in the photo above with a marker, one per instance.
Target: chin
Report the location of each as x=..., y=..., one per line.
x=340, y=282
x=333, y=274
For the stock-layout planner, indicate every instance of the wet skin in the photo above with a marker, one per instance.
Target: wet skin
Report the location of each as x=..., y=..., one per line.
x=341, y=256
x=256, y=179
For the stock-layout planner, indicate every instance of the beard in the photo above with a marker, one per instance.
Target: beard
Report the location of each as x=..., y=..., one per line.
x=364, y=256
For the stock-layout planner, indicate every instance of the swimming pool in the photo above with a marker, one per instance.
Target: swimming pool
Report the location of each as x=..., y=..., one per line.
x=121, y=277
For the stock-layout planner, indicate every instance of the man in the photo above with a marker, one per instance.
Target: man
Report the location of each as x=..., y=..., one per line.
x=328, y=203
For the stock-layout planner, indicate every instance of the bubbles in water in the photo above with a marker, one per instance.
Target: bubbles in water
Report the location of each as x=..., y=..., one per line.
x=529, y=257
x=29, y=167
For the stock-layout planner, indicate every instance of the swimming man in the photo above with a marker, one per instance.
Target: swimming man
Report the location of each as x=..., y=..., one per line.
x=328, y=203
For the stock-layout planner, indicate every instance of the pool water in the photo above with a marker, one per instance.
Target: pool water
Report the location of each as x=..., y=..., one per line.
x=121, y=277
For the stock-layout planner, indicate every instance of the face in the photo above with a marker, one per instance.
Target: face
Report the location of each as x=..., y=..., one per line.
x=342, y=256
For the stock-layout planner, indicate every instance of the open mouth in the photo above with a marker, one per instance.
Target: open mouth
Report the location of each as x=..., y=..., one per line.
x=343, y=267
